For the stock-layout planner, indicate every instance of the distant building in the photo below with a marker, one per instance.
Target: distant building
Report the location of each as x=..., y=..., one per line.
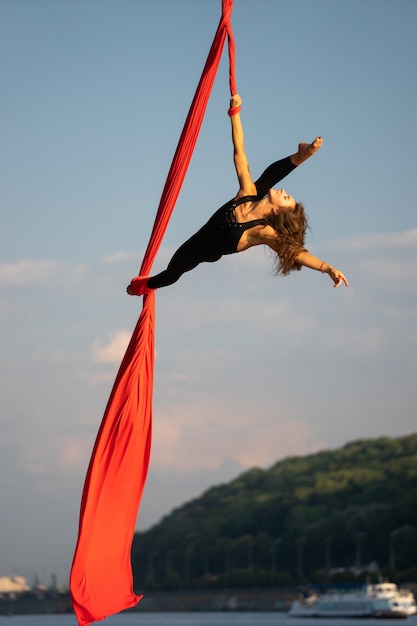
x=13, y=585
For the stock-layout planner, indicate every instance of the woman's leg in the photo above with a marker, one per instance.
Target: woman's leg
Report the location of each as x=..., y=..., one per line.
x=201, y=247
x=186, y=258
x=273, y=174
x=280, y=169
x=183, y=260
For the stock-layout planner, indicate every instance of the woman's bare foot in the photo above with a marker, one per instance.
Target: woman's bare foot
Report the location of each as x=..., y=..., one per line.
x=306, y=150
x=138, y=286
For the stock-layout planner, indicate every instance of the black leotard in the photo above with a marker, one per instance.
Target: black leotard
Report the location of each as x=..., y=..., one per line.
x=226, y=229
x=222, y=233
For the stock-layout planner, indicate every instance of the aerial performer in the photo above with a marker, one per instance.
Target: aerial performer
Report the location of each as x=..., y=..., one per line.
x=101, y=578
x=258, y=214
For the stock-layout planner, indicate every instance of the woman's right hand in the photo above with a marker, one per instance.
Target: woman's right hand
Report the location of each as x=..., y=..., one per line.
x=337, y=276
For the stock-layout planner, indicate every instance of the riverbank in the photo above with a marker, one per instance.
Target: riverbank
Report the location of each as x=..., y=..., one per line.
x=262, y=600
x=274, y=599
x=165, y=601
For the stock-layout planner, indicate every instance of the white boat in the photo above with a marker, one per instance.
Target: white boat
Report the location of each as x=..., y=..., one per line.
x=380, y=600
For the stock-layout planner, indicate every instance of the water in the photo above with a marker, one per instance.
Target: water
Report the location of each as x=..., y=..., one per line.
x=196, y=619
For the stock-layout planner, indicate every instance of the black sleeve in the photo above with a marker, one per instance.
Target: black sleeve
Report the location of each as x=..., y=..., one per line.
x=273, y=174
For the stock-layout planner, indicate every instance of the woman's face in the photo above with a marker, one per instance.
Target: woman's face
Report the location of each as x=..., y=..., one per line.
x=281, y=200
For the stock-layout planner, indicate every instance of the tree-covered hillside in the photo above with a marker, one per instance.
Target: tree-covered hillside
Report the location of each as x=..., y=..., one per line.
x=299, y=520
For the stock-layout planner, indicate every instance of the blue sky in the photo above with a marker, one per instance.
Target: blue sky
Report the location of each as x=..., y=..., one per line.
x=250, y=368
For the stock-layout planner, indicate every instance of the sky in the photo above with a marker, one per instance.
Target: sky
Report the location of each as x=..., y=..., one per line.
x=250, y=368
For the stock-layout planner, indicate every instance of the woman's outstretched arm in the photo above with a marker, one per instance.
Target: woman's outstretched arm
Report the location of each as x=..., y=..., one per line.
x=246, y=184
x=309, y=260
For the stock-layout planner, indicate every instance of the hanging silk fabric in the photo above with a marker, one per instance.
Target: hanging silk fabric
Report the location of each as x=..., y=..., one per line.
x=101, y=580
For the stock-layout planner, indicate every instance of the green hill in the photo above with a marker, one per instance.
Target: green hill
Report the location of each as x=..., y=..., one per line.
x=299, y=520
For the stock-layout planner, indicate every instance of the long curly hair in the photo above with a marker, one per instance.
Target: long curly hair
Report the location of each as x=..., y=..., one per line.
x=291, y=228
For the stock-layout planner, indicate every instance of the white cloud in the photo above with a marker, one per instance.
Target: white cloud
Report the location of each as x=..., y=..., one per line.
x=119, y=257
x=279, y=440
x=71, y=451
x=401, y=271
x=104, y=377
x=113, y=350
x=366, y=342
x=400, y=315
x=196, y=313
x=181, y=376
x=7, y=308
x=373, y=241
x=27, y=272
x=202, y=435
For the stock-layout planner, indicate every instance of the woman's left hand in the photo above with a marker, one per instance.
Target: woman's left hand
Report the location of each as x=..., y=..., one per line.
x=235, y=101
x=337, y=277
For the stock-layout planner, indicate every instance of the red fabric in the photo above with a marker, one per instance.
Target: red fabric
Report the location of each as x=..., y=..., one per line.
x=234, y=110
x=138, y=286
x=101, y=575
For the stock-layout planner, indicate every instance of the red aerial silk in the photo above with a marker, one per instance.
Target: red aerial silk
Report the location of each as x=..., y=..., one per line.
x=101, y=580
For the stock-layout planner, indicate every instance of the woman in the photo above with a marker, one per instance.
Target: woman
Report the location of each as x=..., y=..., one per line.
x=258, y=214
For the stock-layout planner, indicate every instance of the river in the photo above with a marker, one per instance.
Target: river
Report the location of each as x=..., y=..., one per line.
x=195, y=619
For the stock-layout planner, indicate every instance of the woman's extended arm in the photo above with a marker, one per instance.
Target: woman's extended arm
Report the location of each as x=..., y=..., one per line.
x=246, y=185
x=311, y=261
